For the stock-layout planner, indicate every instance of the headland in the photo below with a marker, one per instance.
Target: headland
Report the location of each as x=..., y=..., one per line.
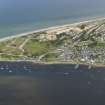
x=78, y=43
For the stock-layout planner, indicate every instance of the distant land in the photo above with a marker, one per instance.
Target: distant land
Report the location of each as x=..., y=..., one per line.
x=78, y=43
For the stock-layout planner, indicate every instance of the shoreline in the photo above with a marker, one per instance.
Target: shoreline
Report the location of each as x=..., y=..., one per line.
x=54, y=63
x=52, y=28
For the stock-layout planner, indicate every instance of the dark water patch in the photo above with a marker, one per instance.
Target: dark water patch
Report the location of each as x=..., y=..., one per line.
x=56, y=84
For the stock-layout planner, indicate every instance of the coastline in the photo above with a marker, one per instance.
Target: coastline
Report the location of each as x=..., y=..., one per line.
x=55, y=63
x=52, y=28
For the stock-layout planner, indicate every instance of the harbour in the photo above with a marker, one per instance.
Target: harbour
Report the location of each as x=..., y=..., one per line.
x=27, y=84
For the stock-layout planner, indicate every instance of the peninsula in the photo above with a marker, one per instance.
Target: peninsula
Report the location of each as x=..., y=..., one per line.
x=82, y=42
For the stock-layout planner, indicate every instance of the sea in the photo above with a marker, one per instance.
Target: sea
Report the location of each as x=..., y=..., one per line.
x=25, y=83
x=19, y=16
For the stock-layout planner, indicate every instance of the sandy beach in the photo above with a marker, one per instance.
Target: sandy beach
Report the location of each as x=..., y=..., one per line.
x=51, y=28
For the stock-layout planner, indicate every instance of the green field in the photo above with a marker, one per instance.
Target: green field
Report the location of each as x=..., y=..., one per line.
x=36, y=48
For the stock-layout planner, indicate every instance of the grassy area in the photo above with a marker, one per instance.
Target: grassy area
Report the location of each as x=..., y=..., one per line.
x=36, y=48
x=51, y=57
x=8, y=57
x=3, y=46
x=14, y=51
x=17, y=41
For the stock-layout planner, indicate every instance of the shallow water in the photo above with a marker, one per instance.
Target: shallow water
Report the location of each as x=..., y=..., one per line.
x=18, y=16
x=33, y=84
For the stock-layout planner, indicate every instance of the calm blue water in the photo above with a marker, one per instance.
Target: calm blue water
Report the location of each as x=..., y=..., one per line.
x=17, y=16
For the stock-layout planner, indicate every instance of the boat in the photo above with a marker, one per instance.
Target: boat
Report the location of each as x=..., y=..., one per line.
x=76, y=66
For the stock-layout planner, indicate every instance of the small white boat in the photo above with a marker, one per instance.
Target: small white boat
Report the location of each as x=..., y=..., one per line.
x=66, y=73
x=26, y=68
x=10, y=71
x=76, y=66
x=90, y=67
x=2, y=68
